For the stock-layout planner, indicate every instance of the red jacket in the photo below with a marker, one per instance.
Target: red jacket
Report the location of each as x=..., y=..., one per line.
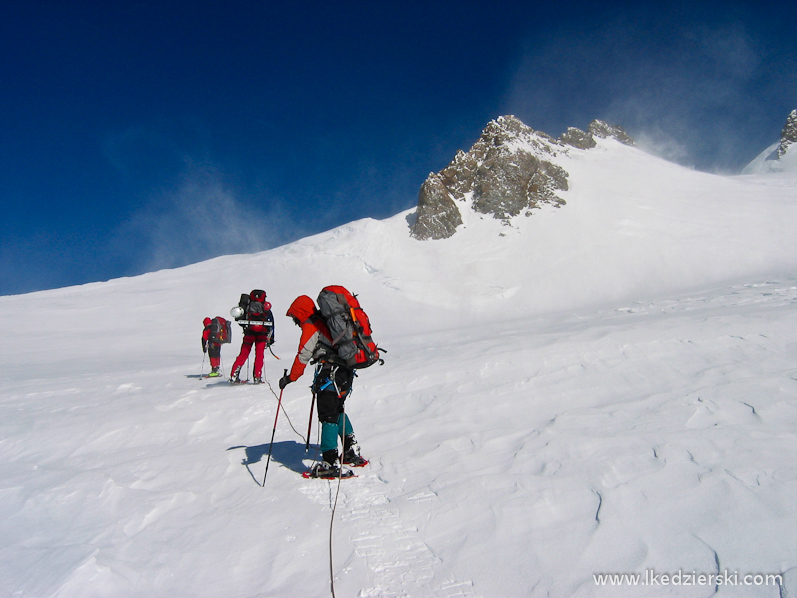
x=206, y=333
x=315, y=335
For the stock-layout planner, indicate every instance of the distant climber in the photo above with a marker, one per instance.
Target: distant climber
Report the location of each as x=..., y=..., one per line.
x=253, y=314
x=217, y=332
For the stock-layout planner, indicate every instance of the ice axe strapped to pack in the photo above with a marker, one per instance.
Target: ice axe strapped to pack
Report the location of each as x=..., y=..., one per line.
x=349, y=326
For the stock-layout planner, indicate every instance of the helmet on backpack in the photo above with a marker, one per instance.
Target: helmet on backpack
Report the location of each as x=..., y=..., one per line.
x=237, y=312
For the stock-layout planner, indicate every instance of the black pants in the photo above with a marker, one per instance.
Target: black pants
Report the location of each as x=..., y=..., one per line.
x=332, y=385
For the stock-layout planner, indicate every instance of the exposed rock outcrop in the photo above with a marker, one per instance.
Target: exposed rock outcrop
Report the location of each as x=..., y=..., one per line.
x=578, y=138
x=437, y=216
x=781, y=156
x=789, y=134
x=598, y=128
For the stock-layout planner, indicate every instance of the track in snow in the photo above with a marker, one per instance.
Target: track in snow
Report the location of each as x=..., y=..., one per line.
x=399, y=563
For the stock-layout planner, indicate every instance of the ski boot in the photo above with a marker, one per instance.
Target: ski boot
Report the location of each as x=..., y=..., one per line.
x=214, y=373
x=351, y=453
x=257, y=380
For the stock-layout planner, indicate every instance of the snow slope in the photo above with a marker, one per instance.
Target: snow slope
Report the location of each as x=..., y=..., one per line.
x=604, y=388
x=769, y=162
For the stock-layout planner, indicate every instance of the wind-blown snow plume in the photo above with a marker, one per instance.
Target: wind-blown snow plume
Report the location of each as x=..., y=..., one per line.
x=683, y=90
x=203, y=218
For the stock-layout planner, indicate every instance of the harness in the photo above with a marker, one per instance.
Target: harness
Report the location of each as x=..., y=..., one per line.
x=330, y=379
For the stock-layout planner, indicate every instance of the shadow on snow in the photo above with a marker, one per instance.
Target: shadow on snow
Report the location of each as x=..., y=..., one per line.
x=288, y=453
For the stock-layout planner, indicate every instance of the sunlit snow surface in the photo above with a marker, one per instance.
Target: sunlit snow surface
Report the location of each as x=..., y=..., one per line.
x=608, y=387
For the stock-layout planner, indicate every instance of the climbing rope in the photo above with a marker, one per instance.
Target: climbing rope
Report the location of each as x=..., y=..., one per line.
x=332, y=519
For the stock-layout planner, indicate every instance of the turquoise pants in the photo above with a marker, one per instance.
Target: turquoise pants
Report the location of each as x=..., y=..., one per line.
x=331, y=432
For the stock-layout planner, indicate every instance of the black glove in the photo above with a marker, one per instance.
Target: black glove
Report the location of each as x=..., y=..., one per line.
x=284, y=381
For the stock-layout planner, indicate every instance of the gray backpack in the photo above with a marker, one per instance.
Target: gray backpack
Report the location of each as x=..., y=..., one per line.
x=349, y=326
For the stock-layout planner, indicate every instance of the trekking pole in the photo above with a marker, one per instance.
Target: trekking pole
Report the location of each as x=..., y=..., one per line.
x=310, y=424
x=202, y=368
x=271, y=446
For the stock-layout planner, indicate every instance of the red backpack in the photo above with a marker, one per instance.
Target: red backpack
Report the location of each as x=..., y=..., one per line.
x=349, y=326
x=220, y=331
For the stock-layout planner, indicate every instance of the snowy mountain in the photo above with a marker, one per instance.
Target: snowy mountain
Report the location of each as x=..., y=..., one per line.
x=603, y=387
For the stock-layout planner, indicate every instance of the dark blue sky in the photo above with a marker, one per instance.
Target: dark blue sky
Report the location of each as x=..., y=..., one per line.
x=135, y=136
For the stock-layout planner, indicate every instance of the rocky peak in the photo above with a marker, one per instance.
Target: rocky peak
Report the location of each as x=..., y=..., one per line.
x=789, y=134
x=507, y=172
